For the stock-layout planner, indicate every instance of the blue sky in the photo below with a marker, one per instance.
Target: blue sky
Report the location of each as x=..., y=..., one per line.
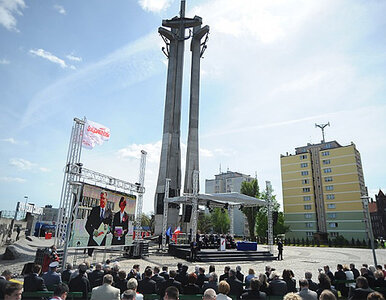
x=272, y=69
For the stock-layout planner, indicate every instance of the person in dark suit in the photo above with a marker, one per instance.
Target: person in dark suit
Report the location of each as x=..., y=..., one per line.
x=226, y=273
x=147, y=285
x=157, y=277
x=254, y=293
x=121, y=219
x=182, y=276
x=191, y=288
x=33, y=282
x=201, y=278
x=165, y=273
x=98, y=215
x=313, y=286
x=277, y=287
x=362, y=289
x=239, y=275
x=121, y=282
x=170, y=282
x=96, y=276
x=211, y=284
x=236, y=286
x=80, y=283
x=354, y=270
x=4, y=279
x=66, y=274
x=340, y=275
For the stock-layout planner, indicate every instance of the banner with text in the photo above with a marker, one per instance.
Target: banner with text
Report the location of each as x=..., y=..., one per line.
x=94, y=134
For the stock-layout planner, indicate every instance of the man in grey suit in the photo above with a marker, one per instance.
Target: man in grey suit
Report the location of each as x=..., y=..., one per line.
x=52, y=278
x=105, y=291
x=306, y=293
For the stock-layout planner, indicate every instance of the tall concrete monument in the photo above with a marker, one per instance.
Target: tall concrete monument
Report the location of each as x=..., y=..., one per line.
x=170, y=162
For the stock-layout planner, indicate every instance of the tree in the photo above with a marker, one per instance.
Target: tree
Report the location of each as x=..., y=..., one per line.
x=250, y=189
x=262, y=218
x=220, y=221
x=204, y=223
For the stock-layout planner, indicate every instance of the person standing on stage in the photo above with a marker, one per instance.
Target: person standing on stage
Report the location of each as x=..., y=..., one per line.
x=98, y=215
x=121, y=219
x=280, y=249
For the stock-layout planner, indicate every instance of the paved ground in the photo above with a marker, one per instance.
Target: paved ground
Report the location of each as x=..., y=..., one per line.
x=298, y=259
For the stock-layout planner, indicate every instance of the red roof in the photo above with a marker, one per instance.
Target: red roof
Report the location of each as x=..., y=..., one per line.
x=373, y=207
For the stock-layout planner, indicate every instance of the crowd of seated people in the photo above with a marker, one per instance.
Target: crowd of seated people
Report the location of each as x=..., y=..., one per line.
x=108, y=281
x=212, y=241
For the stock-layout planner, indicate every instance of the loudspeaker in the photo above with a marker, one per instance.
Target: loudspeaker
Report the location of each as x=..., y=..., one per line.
x=188, y=213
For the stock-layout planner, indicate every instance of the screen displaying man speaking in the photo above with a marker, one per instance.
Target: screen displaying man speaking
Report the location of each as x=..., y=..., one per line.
x=105, y=218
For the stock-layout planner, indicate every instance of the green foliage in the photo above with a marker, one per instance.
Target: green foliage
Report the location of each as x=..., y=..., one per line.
x=220, y=221
x=279, y=227
x=250, y=189
x=204, y=223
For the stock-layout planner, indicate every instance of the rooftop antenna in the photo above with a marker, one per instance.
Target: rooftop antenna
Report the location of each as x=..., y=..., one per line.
x=220, y=168
x=322, y=126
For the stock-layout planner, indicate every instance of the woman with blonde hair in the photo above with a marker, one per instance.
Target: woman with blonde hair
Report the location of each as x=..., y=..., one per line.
x=264, y=283
x=223, y=290
x=292, y=296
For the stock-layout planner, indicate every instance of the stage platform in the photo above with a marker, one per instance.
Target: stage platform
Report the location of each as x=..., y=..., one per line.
x=213, y=255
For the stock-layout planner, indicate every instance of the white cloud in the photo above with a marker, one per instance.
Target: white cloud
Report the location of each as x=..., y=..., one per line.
x=74, y=58
x=4, y=61
x=8, y=10
x=50, y=57
x=9, y=140
x=155, y=6
x=12, y=179
x=130, y=64
x=25, y=165
x=60, y=9
x=134, y=151
x=21, y=163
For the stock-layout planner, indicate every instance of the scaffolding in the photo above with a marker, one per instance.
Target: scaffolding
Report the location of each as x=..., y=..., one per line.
x=74, y=177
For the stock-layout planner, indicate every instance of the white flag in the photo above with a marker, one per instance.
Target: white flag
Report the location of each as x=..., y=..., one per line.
x=94, y=134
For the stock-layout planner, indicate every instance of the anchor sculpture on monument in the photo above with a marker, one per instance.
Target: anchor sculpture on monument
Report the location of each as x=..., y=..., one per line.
x=173, y=33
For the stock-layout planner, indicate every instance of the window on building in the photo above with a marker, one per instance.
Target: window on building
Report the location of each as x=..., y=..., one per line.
x=325, y=153
x=328, y=146
x=329, y=187
x=306, y=190
x=307, y=216
x=307, y=207
x=305, y=181
x=307, y=198
x=327, y=170
x=332, y=225
x=304, y=173
x=304, y=165
x=309, y=225
x=331, y=205
x=326, y=161
x=304, y=156
x=331, y=215
x=309, y=234
x=327, y=179
x=334, y=234
x=330, y=196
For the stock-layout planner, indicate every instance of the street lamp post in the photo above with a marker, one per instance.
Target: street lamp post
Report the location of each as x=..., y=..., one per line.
x=25, y=206
x=365, y=202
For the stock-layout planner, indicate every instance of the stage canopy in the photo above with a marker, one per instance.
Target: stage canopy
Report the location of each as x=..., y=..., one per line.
x=220, y=199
